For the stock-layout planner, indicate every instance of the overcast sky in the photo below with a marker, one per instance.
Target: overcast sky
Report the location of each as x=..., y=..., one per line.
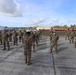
x=21, y=13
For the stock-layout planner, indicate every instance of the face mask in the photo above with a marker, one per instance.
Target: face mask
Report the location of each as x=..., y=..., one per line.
x=54, y=33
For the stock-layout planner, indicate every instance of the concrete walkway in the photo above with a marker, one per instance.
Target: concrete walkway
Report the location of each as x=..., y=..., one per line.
x=12, y=62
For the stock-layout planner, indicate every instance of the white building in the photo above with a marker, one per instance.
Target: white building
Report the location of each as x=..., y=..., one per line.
x=43, y=27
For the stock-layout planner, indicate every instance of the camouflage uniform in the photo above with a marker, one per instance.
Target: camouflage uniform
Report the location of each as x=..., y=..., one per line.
x=51, y=33
x=39, y=35
x=1, y=37
x=67, y=34
x=75, y=40
x=36, y=38
x=27, y=48
x=72, y=37
x=15, y=39
x=54, y=40
x=33, y=41
x=5, y=41
x=20, y=36
x=10, y=36
x=24, y=33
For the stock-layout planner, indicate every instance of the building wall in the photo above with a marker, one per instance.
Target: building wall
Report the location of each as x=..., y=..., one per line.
x=43, y=27
x=62, y=29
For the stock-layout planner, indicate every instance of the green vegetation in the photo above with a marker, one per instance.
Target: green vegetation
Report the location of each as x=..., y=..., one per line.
x=64, y=26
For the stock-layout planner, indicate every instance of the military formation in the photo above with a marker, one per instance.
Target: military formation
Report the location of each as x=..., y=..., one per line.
x=28, y=38
x=71, y=35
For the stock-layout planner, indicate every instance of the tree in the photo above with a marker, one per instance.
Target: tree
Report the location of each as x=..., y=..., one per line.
x=65, y=26
x=73, y=26
x=57, y=26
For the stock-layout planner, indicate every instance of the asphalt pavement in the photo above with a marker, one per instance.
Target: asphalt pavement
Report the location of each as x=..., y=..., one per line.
x=42, y=62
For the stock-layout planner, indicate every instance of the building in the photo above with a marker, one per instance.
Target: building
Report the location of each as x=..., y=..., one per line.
x=62, y=29
x=5, y=28
x=43, y=28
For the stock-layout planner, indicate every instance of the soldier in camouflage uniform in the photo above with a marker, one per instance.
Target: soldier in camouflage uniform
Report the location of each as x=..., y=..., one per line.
x=27, y=47
x=15, y=38
x=0, y=37
x=10, y=36
x=20, y=36
x=54, y=40
x=24, y=32
x=72, y=36
x=67, y=34
x=36, y=38
x=33, y=40
x=51, y=33
x=75, y=40
x=5, y=41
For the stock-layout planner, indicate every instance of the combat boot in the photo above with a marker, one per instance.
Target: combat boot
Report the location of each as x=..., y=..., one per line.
x=4, y=49
x=8, y=49
x=51, y=51
x=25, y=60
x=56, y=51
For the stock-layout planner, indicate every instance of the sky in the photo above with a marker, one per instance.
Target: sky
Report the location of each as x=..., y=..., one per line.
x=27, y=13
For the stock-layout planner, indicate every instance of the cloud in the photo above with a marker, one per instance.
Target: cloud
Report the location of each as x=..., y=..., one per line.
x=72, y=20
x=10, y=8
x=56, y=20
x=35, y=21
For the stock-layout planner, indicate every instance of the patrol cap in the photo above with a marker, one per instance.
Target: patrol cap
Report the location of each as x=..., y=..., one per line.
x=28, y=32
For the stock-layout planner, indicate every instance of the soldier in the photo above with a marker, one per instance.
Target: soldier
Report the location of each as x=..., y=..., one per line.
x=10, y=36
x=20, y=36
x=5, y=41
x=36, y=38
x=51, y=33
x=1, y=37
x=27, y=47
x=75, y=40
x=24, y=32
x=33, y=41
x=67, y=34
x=15, y=39
x=72, y=36
x=54, y=40
x=39, y=35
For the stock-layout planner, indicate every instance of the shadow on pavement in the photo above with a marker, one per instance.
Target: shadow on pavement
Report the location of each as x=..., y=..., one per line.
x=60, y=44
x=42, y=46
x=62, y=49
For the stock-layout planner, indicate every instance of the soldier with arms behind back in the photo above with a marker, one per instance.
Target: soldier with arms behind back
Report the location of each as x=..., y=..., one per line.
x=5, y=40
x=27, y=47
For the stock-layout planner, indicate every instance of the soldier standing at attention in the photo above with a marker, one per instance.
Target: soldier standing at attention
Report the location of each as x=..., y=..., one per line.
x=53, y=43
x=51, y=33
x=15, y=39
x=10, y=36
x=75, y=40
x=0, y=37
x=36, y=37
x=24, y=32
x=67, y=34
x=5, y=41
x=72, y=36
x=33, y=40
x=27, y=47
x=20, y=36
